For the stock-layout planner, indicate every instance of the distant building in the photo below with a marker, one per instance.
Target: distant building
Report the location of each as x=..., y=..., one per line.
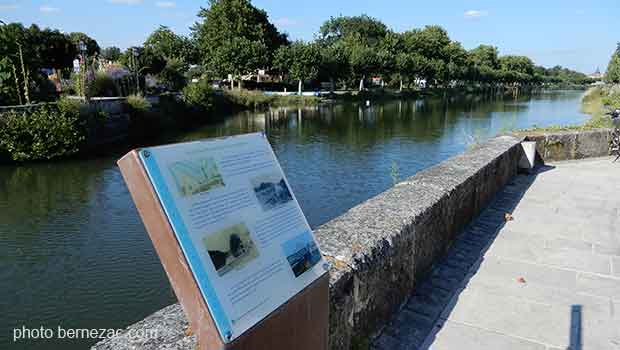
x=597, y=75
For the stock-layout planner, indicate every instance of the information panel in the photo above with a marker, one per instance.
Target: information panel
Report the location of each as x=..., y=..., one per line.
x=238, y=223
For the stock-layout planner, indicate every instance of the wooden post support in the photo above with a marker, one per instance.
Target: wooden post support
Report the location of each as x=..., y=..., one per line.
x=299, y=324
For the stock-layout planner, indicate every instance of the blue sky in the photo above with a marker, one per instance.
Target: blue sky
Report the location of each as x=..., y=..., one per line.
x=577, y=34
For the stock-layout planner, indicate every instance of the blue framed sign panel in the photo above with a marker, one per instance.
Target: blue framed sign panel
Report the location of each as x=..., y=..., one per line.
x=238, y=223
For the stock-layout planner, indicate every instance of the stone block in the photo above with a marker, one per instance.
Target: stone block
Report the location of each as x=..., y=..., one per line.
x=565, y=145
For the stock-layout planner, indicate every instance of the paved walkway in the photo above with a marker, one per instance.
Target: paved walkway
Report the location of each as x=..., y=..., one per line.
x=548, y=279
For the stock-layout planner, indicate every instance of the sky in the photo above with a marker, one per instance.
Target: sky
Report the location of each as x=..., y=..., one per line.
x=580, y=35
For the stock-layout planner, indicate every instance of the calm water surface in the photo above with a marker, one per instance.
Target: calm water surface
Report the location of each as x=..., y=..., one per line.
x=74, y=253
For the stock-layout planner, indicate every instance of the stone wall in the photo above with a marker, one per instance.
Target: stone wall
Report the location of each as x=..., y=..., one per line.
x=382, y=247
x=565, y=145
x=379, y=249
x=116, y=126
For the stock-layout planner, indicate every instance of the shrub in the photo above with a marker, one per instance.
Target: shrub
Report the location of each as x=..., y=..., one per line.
x=195, y=72
x=146, y=122
x=138, y=104
x=45, y=132
x=199, y=95
x=77, y=80
x=45, y=91
x=247, y=98
x=69, y=106
x=173, y=75
x=612, y=101
x=8, y=90
x=258, y=99
x=102, y=86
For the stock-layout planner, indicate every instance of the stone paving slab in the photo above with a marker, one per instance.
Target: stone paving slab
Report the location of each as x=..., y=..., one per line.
x=469, y=337
x=548, y=279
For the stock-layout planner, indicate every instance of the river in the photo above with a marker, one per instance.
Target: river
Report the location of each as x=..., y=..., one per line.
x=74, y=253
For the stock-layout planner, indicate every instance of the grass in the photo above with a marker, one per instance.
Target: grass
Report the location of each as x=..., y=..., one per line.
x=138, y=103
x=257, y=99
x=593, y=103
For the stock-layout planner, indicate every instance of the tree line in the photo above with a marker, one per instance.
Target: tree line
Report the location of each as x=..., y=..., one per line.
x=235, y=39
x=25, y=51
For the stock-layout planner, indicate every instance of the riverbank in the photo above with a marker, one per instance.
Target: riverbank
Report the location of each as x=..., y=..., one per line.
x=262, y=100
x=595, y=102
x=72, y=127
x=43, y=133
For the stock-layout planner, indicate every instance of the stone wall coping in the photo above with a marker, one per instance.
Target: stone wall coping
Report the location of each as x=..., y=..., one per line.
x=364, y=231
x=534, y=132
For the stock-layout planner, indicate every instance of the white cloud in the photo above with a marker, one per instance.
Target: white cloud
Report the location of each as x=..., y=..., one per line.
x=166, y=4
x=475, y=13
x=8, y=7
x=125, y=2
x=285, y=22
x=48, y=9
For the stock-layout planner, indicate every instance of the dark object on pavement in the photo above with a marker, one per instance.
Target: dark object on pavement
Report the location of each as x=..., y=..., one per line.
x=614, y=145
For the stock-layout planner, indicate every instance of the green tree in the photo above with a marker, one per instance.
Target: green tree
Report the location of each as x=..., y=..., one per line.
x=111, y=53
x=146, y=62
x=432, y=45
x=53, y=48
x=484, y=63
x=24, y=52
x=92, y=47
x=388, y=49
x=457, y=63
x=173, y=74
x=17, y=63
x=559, y=74
x=334, y=62
x=516, y=69
x=613, y=69
x=338, y=28
x=407, y=65
x=239, y=56
x=300, y=61
x=360, y=38
x=363, y=58
x=235, y=38
x=177, y=52
x=140, y=61
x=431, y=42
x=166, y=43
x=8, y=89
x=412, y=64
x=485, y=56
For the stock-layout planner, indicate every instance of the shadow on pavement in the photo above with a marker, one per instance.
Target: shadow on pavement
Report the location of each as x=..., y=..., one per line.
x=417, y=324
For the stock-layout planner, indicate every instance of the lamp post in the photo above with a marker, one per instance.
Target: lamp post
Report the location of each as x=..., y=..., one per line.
x=135, y=53
x=83, y=52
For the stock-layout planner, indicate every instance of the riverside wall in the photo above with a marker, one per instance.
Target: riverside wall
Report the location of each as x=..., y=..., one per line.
x=378, y=250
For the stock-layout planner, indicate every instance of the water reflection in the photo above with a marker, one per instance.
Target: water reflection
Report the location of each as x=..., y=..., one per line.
x=337, y=155
x=73, y=251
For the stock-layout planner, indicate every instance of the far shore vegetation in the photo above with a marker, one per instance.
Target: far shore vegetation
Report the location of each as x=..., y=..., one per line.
x=597, y=101
x=235, y=58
